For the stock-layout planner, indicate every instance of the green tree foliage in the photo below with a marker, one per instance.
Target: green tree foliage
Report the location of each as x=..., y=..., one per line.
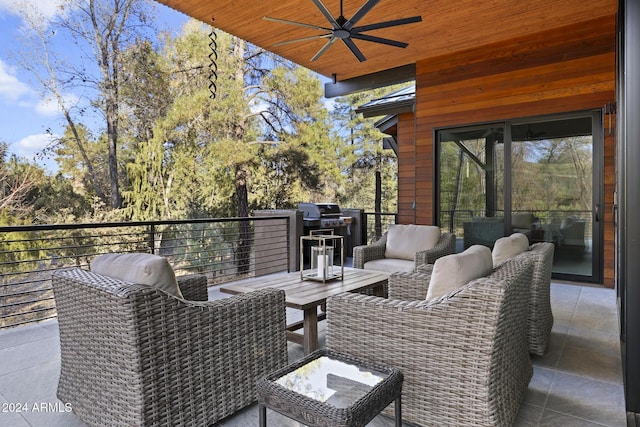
x=17, y=180
x=76, y=165
x=561, y=166
x=300, y=160
x=28, y=195
x=371, y=171
x=463, y=181
x=186, y=158
x=263, y=142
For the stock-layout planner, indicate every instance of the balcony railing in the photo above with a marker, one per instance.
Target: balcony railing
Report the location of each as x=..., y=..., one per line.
x=222, y=249
x=377, y=223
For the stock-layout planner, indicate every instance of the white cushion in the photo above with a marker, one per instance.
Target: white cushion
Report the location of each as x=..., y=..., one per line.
x=508, y=247
x=453, y=271
x=390, y=265
x=139, y=268
x=404, y=240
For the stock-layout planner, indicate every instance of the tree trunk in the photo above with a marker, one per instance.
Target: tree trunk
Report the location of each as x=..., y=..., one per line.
x=108, y=45
x=112, y=140
x=93, y=176
x=244, y=227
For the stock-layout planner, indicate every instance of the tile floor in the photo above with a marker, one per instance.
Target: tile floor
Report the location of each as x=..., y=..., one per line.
x=578, y=382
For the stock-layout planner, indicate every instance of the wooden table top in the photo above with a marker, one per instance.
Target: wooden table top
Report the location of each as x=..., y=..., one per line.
x=303, y=294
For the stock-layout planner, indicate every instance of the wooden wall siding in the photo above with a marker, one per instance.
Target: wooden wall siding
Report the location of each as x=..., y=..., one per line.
x=406, y=169
x=545, y=73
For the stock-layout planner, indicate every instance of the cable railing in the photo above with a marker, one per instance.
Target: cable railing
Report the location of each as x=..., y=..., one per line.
x=377, y=223
x=223, y=249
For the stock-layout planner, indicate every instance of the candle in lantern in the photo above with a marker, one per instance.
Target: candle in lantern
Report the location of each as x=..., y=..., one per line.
x=322, y=266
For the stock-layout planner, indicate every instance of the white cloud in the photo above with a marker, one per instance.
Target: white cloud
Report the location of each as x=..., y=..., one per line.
x=15, y=92
x=45, y=11
x=11, y=88
x=49, y=106
x=31, y=145
x=30, y=148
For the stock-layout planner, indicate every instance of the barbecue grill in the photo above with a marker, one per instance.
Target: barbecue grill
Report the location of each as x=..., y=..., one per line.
x=325, y=217
x=328, y=216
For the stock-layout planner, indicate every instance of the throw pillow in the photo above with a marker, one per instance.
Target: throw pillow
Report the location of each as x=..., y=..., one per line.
x=453, y=271
x=138, y=268
x=508, y=247
x=404, y=240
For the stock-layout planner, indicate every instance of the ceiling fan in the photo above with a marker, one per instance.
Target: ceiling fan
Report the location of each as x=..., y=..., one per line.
x=345, y=29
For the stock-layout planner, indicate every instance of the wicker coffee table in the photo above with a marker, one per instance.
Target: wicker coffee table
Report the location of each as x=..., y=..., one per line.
x=330, y=389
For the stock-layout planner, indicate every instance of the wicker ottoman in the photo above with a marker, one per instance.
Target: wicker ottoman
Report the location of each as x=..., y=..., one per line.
x=330, y=389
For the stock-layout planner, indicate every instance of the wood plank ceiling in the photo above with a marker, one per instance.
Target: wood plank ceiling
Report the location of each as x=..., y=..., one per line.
x=447, y=26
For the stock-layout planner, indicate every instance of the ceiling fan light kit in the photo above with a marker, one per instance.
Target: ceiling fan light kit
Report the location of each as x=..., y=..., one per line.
x=345, y=29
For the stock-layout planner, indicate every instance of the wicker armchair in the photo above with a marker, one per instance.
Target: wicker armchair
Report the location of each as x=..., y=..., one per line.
x=363, y=254
x=132, y=355
x=464, y=356
x=411, y=286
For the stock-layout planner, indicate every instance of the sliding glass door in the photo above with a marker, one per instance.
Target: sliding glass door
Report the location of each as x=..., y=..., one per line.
x=539, y=177
x=470, y=183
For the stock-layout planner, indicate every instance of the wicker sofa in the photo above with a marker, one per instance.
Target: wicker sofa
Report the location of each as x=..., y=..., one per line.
x=377, y=255
x=408, y=286
x=133, y=355
x=464, y=356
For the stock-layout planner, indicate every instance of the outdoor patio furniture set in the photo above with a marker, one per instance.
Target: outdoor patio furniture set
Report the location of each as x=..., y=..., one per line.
x=142, y=347
x=464, y=354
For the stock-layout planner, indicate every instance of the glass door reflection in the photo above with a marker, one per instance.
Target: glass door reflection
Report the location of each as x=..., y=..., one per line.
x=552, y=190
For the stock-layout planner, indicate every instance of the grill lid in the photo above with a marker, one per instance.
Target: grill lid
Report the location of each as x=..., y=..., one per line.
x=319, y=210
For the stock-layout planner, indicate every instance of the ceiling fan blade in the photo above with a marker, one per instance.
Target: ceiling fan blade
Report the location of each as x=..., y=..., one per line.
x=354, y=49
x=324, y=48
x=386, y=24
x=300, y=24
x=379, y=40
x=359, y=14
x=326, y=13
x=304, y=39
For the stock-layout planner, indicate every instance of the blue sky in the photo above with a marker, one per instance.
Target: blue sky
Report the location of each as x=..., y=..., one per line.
x=25, y=116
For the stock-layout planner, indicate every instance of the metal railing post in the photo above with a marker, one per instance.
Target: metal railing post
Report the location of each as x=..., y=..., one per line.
x=152, y=238
x=364, y=228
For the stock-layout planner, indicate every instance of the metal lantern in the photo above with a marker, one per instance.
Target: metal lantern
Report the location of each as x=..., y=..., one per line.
x=322, y=261
x=321, y=253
